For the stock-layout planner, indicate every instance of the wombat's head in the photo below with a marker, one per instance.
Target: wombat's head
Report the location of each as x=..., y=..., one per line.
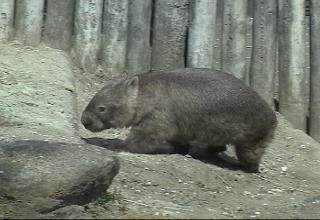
x=113, y=106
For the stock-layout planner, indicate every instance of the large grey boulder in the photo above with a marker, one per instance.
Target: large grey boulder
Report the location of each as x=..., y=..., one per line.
x=40, y=176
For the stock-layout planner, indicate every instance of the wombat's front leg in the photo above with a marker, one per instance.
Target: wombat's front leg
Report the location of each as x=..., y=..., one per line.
x=140, y=142
x=205, y=151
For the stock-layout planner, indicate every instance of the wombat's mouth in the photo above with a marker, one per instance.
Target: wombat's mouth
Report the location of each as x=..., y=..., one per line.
x=95, y=130
x=98, y=128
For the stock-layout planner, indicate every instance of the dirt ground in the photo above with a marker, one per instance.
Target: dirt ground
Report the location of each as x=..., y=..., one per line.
x=169, y=186
x=178, y=186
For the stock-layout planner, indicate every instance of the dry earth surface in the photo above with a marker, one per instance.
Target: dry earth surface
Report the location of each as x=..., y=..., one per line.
x=41, y=98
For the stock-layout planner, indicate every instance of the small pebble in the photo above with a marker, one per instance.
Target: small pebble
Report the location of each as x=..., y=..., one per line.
x=148, y=183
x=276, y=190
x=257, y=213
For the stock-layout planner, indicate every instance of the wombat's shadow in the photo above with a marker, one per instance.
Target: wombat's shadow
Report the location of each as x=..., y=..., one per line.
x=220, y=159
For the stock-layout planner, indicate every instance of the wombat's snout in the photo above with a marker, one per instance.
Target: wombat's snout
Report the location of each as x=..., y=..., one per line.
x=86, y=120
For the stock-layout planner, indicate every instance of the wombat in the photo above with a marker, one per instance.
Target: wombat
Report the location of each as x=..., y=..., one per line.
x=166, y=109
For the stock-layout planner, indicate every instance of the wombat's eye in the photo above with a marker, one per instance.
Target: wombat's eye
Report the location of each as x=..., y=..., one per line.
x=101, y=109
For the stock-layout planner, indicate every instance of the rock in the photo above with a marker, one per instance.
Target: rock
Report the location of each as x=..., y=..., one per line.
x=37, y=94
x=69, y=212
x=48, y=175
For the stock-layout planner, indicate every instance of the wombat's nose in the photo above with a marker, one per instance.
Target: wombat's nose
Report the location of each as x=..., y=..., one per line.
x=85, y=120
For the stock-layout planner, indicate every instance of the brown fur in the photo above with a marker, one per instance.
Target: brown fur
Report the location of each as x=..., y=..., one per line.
x=176, y=108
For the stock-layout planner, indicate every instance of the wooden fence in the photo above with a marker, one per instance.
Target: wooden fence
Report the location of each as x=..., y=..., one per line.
x=273, y=45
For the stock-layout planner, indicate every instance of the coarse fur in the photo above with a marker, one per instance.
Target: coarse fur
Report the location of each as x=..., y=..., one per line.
x=190, y=105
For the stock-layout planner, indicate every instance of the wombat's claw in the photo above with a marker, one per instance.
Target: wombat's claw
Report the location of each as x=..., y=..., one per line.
x=251, y=168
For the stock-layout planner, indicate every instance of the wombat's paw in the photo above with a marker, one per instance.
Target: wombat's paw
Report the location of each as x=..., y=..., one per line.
x=251, y=168
x=217, y=149
x=205, y=152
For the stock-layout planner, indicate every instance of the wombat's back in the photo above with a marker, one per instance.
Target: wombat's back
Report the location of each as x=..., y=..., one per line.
x=207, y=105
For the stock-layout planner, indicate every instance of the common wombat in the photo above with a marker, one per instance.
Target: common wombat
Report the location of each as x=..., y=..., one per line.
x=175, y=108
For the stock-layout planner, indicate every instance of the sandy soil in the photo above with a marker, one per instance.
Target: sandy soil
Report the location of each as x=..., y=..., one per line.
x=178, y=186
x=160, y=186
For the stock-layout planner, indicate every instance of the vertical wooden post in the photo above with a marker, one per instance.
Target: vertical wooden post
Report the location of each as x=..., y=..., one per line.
x=28, y=21
x=218, y=35
x=6, y=20
x=263, y=63
x=201, y=33
x=139, y=48
x=234, y=38
x=315, y=71
x=307, y=57
x=249, y=40
x=59, y=24
x=169, y=34
x=88, y=19
x=114, y=39
x=292, y=62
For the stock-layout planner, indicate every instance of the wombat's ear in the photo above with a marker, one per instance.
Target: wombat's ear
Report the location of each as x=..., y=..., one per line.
x=124, y=74
x=132, y=84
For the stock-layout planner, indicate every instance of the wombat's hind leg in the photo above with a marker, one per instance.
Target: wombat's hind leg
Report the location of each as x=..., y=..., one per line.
x=250, y=157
